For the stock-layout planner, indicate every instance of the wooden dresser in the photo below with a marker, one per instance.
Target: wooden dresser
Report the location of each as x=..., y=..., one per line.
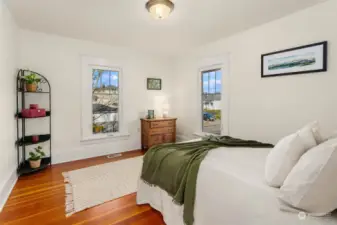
x=158, y=131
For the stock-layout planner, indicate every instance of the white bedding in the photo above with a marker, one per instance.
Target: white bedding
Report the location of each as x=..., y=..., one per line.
x=230, y=191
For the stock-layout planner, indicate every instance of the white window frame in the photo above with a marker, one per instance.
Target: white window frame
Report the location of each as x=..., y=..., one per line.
x=215, y=63
x=202, y=71
x=88, y=64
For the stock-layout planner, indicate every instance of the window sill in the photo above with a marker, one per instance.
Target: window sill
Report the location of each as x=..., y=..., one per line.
x=101, y=138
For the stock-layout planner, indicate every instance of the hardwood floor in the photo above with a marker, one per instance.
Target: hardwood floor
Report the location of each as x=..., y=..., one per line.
x=39, y=199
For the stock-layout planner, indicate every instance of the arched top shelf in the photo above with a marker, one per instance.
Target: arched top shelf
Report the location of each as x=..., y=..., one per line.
x=42, y=85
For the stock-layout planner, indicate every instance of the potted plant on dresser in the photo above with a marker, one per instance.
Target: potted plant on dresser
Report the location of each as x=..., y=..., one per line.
x=35, y=157
x=31, y=81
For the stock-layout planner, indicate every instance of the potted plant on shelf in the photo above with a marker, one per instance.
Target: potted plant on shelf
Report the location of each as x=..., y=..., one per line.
x=35, y=157
x=31, y=82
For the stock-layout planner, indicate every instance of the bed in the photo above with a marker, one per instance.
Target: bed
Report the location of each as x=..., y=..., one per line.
x=230, y=191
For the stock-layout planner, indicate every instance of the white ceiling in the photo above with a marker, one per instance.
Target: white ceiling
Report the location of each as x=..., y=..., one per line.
x=127, y=23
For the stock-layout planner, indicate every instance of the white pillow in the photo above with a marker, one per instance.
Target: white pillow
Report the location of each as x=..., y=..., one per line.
x=311, y=186
x=284, y=156
x=314, y=126
x=308, y=135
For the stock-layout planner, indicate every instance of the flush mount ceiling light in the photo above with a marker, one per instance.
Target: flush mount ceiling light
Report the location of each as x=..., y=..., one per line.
x=160, y=9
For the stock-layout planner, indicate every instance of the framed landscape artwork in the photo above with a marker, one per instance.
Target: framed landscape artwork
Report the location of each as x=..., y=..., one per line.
x=153, y=84
x=305, y=59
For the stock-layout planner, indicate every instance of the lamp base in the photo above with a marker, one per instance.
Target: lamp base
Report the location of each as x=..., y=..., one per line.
x=165, y=115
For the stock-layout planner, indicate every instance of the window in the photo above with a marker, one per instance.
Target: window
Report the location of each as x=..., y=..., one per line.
x=211, y=101
x=102, y=94
x=105, y=101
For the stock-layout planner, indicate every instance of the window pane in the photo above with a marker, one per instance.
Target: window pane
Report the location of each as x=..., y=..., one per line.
x=218, y=81
x=212, y=82
x=211, y=101
x=205, y=82
x=105, y=99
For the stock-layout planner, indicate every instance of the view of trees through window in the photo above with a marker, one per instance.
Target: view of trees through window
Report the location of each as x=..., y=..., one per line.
x=211, y=101
x=105, y=101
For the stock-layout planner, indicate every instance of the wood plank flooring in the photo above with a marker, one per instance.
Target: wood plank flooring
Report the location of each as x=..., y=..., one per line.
x=39, y=199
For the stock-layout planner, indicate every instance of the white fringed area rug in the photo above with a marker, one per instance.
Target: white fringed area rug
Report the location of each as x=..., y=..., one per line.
x=95, y=185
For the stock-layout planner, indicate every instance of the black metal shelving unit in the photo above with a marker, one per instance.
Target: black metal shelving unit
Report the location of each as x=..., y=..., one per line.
x=23, y=139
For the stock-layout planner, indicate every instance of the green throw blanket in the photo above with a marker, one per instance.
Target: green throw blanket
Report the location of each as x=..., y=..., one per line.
x=174, y=167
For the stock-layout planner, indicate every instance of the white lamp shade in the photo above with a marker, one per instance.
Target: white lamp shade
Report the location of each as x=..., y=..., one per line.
x=166, y=107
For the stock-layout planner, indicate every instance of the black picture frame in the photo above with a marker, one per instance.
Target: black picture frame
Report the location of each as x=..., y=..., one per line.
x=149, y=87
x=323, y=69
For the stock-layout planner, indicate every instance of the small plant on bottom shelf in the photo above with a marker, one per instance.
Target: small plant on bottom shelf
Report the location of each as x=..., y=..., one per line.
x=35, y=157
x=31, y=82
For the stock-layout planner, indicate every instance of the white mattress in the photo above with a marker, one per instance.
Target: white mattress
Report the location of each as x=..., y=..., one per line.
x=230, y=191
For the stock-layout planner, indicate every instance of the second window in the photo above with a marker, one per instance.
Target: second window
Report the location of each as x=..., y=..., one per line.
x=211, y=101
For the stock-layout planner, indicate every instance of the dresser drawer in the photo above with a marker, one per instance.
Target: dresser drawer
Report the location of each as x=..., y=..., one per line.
x=155, y=140
x=168, y=138
x=157, y=124
x=163, y=130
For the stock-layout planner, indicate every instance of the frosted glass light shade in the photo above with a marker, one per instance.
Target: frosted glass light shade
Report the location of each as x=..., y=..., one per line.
x=160, y=9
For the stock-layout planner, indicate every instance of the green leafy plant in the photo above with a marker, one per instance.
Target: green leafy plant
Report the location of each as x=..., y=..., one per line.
x=32, y=79
x=37, y=155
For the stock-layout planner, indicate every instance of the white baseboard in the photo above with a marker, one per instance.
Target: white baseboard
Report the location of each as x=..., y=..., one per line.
x=90, y=151
x=7, y=189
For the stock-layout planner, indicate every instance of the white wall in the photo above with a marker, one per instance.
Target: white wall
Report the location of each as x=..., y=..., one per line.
x=59, y=59
x=8, y=51
x=266, y=109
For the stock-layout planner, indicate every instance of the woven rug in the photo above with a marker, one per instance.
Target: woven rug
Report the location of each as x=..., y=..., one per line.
x=95, y=185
